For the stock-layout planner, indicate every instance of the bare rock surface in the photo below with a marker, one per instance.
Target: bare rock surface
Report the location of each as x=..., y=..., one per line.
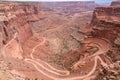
x=105, y=25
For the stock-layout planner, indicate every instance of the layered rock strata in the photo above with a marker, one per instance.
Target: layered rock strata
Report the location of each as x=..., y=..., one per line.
x=115, y=3
x=106, y=23
x=15, y=28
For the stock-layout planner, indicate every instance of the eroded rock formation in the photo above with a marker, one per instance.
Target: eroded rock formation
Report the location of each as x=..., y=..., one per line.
x=105, y=23
x=15, y=29
x=115, y=3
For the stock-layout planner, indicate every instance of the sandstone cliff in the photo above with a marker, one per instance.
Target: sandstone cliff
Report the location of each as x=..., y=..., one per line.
x=115, y=3
x=15, y=28
x=106, y=23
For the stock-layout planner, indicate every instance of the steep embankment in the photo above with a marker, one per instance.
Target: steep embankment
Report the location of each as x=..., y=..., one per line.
x=106, y=20
x=15, y=30
x=105, y=25
x=14, y=25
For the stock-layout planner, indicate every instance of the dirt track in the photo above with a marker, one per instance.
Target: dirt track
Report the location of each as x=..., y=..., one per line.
x=56, y=74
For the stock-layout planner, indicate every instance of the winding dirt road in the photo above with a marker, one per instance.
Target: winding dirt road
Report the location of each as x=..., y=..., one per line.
x=56, y=74
x=43, y=64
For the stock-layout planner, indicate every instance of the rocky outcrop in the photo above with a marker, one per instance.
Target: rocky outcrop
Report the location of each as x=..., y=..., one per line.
x=106, y=23
x=115, y=3
x=15, y=28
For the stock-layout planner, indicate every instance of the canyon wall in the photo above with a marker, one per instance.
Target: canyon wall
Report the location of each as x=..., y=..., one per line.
x=115, y=3
x=14, y=23
x=106, y=23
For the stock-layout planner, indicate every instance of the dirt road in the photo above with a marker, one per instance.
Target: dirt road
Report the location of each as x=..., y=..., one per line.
x=56, y=74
